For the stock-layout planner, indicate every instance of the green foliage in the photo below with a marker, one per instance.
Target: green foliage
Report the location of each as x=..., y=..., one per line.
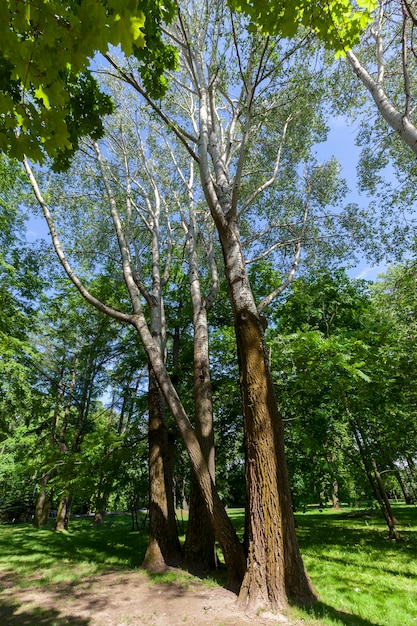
x=337, y=23
x=332, y=362
x=48, y=96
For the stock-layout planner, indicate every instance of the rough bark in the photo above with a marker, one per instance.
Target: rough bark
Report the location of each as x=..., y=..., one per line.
x=199, y=547
x=42, y=506
x=275, y=570
x=335, y=494
x=164, y=546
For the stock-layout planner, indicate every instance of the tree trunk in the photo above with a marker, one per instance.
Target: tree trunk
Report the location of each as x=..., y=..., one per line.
x=275, y=570
x=63, y=513
x=199, y=547
x=101, y=507
x=163, y=547
x=335, y=494
x=388, y=512
x=41, y=508
x=375, y=481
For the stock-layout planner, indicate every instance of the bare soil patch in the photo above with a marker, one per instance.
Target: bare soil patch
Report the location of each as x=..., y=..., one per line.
x=125, y=598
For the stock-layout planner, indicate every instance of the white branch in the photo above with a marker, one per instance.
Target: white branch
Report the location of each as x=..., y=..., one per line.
x=100, y=306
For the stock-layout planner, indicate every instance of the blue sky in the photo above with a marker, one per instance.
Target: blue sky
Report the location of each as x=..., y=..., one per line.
x=341, y=144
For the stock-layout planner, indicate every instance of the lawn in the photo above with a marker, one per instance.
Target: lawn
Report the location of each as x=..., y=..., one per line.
x=362, y=579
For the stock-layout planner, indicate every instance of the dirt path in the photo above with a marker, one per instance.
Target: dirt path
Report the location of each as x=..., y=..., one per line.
x=125, y=599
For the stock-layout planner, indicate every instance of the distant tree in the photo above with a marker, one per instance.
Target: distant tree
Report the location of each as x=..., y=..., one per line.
x=334, y=369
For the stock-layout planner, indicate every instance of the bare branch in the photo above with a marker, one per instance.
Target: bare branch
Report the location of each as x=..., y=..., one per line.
x=100, y=306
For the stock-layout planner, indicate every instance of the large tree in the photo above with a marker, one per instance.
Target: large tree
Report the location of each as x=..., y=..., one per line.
x=233, y=111
x=234, y=116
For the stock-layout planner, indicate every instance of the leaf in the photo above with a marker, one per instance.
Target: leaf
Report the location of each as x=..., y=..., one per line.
x=41, y=95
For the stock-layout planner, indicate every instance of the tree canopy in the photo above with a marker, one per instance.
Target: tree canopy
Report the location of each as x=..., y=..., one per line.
x=48, y=95
x=337, y=23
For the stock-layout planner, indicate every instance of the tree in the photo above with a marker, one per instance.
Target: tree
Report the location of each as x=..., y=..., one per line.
x=391, y=92
x=224, y=529
x=225, y=148
x=337, y=375
x=20, y=283
x=49, y=97
x=338, y=23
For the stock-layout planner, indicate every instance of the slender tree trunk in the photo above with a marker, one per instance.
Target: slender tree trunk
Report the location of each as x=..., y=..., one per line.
x=376, y=483
x=42, y=507
x=199, y=547
x=389, y=516
x=163, y=547
x=63, y=513
x=101, y=507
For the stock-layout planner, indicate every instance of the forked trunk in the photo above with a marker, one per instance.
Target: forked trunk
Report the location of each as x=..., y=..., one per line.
x=163, y=547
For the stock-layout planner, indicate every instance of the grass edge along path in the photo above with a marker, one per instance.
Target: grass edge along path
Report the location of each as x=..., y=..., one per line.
x=362, y=579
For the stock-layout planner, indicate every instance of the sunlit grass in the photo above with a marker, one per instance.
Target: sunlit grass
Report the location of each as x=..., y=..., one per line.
x=41, y=556
x=362, y=579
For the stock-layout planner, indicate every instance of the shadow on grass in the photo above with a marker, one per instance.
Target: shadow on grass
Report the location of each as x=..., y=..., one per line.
x=14, y=612
x=11, y=615
x=112, y=544
x=323, y=611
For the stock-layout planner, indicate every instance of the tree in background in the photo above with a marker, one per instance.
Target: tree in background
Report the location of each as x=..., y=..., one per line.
x=336, y=371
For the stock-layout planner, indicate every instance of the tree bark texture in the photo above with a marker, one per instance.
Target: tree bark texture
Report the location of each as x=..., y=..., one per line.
x=199, y=547
x=42, y=506
x=164, y=546
x=275, y=570
x=63, y=513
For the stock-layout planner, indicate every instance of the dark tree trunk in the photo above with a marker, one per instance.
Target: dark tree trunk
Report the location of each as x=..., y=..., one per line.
x=275, y=570
x=199, y=551
x=163, y=547
x=407, y=497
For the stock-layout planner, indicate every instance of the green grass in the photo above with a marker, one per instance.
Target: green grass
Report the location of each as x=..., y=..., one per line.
x=41, y=556
x=362, y=579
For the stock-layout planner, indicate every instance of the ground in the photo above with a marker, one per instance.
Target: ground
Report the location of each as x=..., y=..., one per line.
x=125, y=598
